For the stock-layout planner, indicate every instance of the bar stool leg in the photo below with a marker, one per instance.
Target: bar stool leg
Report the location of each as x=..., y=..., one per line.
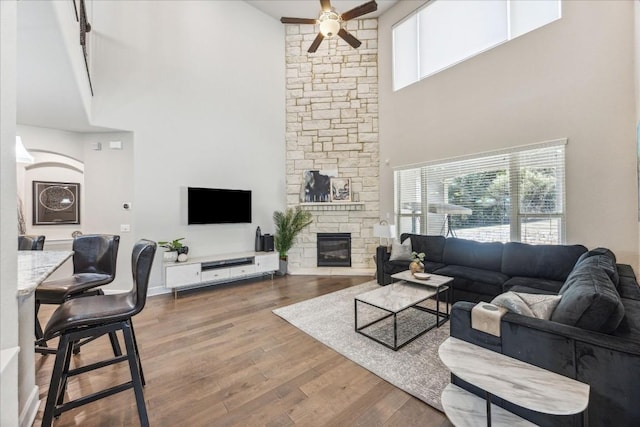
x=63, y=353
x=135, y=372
x=135, y=343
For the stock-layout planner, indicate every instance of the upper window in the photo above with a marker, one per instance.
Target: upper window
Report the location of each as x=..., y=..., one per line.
x=445, y=32
x=512, y=195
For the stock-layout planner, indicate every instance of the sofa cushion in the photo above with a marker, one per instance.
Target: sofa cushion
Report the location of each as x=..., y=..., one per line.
x=469, y=253
x=605, y=263
x=401, y=251
x=625, y=270
x=589, y=301
x=628, y=288
x=528, y=290
x=552, y=262
x=532, y=305
x=605, y=258
x=597, y=251
x=630, y=325
x=546, y=285
x=474, y=279
x=431, y=246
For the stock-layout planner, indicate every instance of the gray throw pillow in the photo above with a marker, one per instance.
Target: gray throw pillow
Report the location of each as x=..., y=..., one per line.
x=532, y=305
x=401, y=251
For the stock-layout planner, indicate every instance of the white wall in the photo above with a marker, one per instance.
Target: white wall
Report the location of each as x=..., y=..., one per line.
x=8, y=229
x=201, y=84
x=106, y=181
x=572, y=78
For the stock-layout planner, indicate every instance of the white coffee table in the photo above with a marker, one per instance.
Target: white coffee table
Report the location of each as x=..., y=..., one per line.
x=394, y=299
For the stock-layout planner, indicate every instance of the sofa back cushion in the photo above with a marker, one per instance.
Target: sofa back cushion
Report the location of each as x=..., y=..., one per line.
x=603, y=258
x=589, y=300
x=469, y=253
x=431, y=246
x=553, y=262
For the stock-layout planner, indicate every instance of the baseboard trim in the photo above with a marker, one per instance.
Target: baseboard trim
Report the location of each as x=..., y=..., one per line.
x=30, y=410
x=331, y=271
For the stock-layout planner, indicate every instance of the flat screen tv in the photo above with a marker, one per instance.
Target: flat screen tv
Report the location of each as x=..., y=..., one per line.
x=218, y=206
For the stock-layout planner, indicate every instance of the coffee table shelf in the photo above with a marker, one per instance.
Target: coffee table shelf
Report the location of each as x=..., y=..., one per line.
x=465, y=409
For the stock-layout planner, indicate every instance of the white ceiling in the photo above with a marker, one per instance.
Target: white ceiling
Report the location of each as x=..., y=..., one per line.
x=47, y=90
x=311, y=8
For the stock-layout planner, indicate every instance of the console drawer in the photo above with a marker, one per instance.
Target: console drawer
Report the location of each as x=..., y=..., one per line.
x=215, y=274
x=242, y=270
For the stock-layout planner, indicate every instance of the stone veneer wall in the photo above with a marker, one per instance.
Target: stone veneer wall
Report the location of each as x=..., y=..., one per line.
x=332, y=124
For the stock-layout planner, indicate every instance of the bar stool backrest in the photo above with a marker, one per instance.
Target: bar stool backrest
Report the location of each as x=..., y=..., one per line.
x=141, y=261
x=95, y=253
x=30, y=243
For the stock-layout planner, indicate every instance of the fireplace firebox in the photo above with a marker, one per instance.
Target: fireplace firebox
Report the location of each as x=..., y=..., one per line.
x=334, y=250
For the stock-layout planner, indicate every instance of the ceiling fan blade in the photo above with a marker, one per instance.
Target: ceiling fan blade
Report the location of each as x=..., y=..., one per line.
x=325, y=5
x=316, y=43
x=298, y=21
x=363, y=9
x=354, y=42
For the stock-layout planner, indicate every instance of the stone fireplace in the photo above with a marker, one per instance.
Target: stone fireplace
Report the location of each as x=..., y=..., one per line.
x=332, y=125
x=334, y=250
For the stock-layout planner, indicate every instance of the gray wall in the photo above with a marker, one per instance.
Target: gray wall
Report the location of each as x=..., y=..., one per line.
x=572, y=78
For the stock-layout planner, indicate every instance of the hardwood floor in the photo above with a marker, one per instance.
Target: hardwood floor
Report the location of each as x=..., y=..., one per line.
x=218, y=356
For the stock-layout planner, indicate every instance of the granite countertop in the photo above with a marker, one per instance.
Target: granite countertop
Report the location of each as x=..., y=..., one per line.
x=35, y=266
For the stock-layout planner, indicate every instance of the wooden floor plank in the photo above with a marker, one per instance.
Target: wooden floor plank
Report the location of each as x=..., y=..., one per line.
x=219, y=357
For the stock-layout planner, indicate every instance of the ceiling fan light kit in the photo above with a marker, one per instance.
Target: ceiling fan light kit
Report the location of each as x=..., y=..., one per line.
x=331, y=23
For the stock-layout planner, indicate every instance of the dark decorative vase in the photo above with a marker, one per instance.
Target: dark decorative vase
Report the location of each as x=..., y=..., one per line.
x=258, y=245
x=183, y=250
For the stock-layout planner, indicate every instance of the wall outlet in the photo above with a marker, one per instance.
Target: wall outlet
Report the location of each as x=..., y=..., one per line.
x=125, y=228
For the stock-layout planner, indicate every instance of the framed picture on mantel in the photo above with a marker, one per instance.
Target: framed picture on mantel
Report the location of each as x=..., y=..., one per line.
x=340, y=189
x=56, y=203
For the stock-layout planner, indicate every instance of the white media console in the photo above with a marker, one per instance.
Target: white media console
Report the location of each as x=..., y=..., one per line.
x=218, y=269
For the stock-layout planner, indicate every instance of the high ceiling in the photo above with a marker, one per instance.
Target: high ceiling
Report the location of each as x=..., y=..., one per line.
x=49, y=93
x=311, y=8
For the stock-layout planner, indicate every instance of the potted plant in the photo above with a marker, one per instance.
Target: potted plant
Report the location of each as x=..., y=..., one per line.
x=173, y=249
x=288, y=225
x=417, y=260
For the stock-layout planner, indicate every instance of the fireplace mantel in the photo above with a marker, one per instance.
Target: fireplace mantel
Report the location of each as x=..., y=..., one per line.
x=333, y=206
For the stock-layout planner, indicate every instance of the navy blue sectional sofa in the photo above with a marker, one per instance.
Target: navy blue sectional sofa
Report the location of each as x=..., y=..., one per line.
x=482, y=271
x=592, y=336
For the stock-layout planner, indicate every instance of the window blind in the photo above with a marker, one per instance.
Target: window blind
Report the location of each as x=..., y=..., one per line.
x=511, y=195
x=445, y=32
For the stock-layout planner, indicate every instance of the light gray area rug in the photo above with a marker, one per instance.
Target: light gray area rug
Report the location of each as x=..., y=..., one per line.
x=415, y=368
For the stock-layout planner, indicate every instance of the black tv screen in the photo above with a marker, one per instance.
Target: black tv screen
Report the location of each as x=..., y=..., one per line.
x=218, y=206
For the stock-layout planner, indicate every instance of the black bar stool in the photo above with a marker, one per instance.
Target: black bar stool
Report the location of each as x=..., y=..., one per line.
x=94, y=264
x=91, y=316
x=30, y=243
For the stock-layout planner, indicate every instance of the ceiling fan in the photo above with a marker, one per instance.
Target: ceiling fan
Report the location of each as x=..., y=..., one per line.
x=331, y=21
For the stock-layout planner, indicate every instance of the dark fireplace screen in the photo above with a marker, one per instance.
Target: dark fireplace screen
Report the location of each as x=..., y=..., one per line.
x=334, y=250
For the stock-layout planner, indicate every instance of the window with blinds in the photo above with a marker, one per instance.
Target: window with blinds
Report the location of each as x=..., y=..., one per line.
x=513, y=195
x=445, y=32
